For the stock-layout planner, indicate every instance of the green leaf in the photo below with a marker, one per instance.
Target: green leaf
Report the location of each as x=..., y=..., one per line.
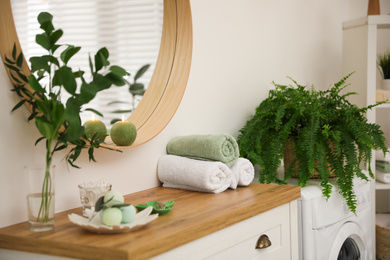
x=65, y=77
x=75, y=130
x=73, y=165
x=115, y=79
x=101, y=82
x=116, y=102
x=99, y=204
x=62, y=147
x=113, y=121
x=14, y=52
x=44, y=17
x=57, y=114
x=68, y=53
x=48, y=27
x=122, y=111
x=44, y=106
x=120, y=205
x=39, y=63
x=39, y=139
x=78, y=74
x=16, y=80
x=32, y=116
x=90, y=64
x=137, y=89
x=19, y=104
x=72, y=106
x=43, y=40
x=55, y=36
x=90, y=154
x=88, y=92
x=101, y=59
x=119, y=71
x=45, y=128
x=141, y=71
x=12, y=67
x=19, y=61
x=72, y=117
x=55, y=47
x=9, y=61
x=94, y=111
x=35, y=85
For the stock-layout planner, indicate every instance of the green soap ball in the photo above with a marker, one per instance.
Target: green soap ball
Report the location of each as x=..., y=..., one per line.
x=114, y=195
x=128, y=213
x=112, y=216
x=123, y=133
x=95, y=127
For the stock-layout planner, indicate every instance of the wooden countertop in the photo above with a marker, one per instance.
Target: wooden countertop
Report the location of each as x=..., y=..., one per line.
x=193, y=216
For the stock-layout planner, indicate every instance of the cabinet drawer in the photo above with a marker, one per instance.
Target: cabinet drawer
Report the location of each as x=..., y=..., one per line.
x=246, y=248
x=239, y=241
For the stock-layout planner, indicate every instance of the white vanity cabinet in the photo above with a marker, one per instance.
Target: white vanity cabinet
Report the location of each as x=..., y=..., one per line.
x=226, y=225
x=239, y=240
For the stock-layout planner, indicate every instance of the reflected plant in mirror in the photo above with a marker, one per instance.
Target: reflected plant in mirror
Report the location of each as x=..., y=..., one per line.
x=131, y=30
x=136, y=89
x=60, y=123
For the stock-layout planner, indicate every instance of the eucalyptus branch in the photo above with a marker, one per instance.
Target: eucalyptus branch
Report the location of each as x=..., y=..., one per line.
x=59, y=123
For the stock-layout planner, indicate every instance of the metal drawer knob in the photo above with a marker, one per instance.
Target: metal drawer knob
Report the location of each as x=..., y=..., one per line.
x=263, y=242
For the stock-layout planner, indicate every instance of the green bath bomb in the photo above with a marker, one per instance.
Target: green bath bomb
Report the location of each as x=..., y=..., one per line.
x=95, y=127
x=112, y=216
x=123, y=133
x=128, y=213
x=113, y=197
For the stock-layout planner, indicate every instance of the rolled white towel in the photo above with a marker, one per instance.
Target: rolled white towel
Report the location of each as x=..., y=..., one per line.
x=190, y=174
x=380, y=157
x=243, y=173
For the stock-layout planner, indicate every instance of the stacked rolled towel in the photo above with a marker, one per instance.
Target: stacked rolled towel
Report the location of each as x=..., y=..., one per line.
x=189, y=174
x=243, y=173
x=382, y=164
x=379, y=156
x=222, y=148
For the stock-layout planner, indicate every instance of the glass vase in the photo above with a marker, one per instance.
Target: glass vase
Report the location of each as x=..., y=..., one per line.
x=40, y=197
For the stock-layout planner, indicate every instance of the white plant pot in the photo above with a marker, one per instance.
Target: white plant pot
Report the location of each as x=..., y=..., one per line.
x=385, y=84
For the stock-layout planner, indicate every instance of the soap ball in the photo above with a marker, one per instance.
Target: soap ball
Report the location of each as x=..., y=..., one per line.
x=128, y=213
x=113, y=197
x=112, y=216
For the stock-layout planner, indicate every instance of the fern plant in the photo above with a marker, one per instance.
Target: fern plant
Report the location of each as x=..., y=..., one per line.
x=329, y=135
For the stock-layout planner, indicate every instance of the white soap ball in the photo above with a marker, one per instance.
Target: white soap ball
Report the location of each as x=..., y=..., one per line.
x=112, y=216
x=114, y=198
x=128, y=213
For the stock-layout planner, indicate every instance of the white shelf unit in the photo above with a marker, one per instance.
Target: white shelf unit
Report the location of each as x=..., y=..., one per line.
x=363, y=40
x=382, y=186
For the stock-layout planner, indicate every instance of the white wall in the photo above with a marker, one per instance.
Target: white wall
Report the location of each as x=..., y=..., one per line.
x=240, y=46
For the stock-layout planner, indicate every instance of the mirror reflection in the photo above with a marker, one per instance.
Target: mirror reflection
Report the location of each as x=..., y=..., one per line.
x=130, y=29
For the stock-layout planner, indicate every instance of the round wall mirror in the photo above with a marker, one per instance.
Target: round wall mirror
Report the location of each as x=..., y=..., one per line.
x=133, y=39
x=169, y=79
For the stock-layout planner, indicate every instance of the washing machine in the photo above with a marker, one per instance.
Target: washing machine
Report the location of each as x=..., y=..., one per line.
x=328, y=230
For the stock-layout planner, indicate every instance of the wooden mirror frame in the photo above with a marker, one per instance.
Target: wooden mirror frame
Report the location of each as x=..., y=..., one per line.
x=170, y=76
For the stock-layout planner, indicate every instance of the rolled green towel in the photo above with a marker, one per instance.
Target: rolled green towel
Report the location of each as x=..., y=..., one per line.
x=222, y=147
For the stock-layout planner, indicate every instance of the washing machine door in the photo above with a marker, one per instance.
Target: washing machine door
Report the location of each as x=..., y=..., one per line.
x=349, y=243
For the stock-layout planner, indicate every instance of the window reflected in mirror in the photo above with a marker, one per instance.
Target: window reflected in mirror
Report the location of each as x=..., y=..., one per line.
x=130, y=29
